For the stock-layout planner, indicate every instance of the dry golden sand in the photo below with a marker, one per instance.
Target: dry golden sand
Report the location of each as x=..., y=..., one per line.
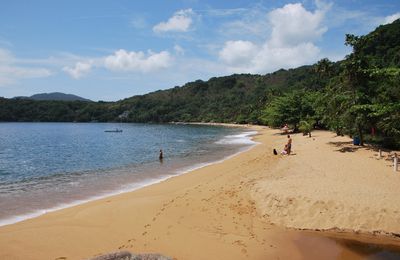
x=331, y=184
x=228, y=210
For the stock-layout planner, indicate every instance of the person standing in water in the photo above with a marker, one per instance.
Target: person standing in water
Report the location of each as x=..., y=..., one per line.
x=161, y=156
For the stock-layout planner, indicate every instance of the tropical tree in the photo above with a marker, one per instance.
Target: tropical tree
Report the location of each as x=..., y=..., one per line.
x=324, y=67
x=356, y=80
x=291, y=108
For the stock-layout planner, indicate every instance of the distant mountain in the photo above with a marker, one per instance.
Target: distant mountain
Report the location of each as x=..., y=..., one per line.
x=55, y=96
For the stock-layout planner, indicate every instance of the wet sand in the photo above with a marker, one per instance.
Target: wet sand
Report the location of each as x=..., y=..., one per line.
x=226, y=211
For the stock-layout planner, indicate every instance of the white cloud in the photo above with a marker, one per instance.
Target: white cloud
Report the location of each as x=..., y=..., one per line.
x=11, y=74
x=292, y=25
x=251, y=24
x=123, y=60
x=238, y=53
x=179, y=50
x=226, y=12
x=391, y=18
x=6, y=57
x=251, y=58
x=80, y=69
x=179, y=22
x=11, y=71
x=291, y=43
x=273, y=58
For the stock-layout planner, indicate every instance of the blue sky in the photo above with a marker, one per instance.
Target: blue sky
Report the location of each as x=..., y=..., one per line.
x=109, y=50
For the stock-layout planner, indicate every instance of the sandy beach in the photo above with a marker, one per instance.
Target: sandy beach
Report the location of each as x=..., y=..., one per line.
x=250, y=206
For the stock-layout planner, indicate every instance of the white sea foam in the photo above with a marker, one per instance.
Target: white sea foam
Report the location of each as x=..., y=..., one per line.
x=39, y=212
x=243, y=138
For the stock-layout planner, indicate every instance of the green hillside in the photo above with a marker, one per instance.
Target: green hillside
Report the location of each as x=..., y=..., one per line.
x=235, y=98
x=358, y=96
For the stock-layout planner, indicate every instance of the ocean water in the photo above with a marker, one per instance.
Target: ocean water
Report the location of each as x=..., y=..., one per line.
x=48, y=166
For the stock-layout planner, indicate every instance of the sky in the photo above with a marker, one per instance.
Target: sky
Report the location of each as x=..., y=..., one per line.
x=110, y=50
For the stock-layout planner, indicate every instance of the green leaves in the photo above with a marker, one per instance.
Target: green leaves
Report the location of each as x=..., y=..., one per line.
x=290, y=109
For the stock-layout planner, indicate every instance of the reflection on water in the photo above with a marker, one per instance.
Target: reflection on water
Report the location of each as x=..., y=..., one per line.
x=371, y=251
x=314, y=246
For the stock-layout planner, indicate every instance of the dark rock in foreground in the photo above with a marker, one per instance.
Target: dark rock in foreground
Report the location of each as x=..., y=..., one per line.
x=125, y=255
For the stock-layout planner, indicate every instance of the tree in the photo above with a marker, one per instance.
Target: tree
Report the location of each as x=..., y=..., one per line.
x=324, y=67
x=357, y=77
x=291, y=108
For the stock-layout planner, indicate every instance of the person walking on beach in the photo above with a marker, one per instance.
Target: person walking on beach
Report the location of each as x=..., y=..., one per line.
x=289, y=145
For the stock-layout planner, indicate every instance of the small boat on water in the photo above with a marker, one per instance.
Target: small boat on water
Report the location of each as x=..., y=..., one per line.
x=116, y=130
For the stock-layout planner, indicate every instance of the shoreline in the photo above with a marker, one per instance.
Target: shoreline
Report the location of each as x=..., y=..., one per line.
x=132, y=186
x=213, y=207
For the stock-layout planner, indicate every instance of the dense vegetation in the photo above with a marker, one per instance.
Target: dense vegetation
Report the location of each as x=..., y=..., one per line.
x=358, y=96
x=55, y=96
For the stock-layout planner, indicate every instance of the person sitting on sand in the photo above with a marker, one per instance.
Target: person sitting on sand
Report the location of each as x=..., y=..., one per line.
x=285, y=129
x=284, y=151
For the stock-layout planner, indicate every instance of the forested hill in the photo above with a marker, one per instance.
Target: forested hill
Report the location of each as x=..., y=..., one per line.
x=58, y=96
x=382, y=46
x=235, y=98
x=358, y=95
x=243, y=98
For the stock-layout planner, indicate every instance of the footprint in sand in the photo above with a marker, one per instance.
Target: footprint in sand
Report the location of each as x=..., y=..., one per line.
x=239, y=243
x=61, y=258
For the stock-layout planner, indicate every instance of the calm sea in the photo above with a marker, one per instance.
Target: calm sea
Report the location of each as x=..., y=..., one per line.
x=48, y=166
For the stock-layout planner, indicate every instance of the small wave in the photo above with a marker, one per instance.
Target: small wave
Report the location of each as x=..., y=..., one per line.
x=242, y=138
x=124, y=189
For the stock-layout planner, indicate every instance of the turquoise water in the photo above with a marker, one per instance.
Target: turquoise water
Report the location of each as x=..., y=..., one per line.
x=46, y=166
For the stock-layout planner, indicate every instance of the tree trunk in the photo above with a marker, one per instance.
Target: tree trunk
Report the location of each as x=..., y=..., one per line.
x=360, y=134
